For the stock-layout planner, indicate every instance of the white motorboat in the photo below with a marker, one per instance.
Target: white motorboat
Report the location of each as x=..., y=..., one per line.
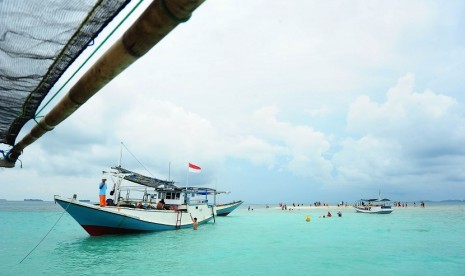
x=374, y=206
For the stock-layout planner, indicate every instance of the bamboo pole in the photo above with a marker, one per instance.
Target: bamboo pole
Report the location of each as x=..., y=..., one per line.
x=160, y=18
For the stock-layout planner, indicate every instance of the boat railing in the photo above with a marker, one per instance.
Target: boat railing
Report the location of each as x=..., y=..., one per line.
x=133, y=194
x=198, y=201
x=133, y=188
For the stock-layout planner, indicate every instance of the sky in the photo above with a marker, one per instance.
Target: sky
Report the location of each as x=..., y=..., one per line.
x=277, y=101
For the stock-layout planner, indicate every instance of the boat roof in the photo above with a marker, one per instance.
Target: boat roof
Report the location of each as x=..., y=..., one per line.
x=375, y=199
x=201, y=190
x=142, y=179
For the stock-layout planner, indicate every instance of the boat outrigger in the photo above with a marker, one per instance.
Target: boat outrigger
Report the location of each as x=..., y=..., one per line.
x=34, y=59
x=134, y=208
x=373, y=206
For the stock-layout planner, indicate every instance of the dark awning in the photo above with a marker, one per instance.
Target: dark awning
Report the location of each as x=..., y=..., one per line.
x=375, y=199
x=143, y=180
x=39, y=40
x=384, y=199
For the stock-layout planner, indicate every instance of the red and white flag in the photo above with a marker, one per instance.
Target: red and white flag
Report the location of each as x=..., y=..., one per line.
x=194, y=168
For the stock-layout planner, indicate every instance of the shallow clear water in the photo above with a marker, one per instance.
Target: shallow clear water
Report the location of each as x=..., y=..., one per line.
x=410, y=241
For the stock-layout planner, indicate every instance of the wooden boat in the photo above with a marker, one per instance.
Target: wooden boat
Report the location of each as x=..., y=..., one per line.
x=133, y=208
x=225, y=209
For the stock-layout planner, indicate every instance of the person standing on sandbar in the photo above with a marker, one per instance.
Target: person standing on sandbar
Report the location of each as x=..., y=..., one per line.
x=103, y=192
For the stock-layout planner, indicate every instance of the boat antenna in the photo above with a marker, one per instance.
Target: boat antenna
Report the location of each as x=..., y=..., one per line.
x=120, y=153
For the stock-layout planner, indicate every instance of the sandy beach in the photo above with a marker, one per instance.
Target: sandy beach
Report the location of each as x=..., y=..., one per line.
x=307, y=207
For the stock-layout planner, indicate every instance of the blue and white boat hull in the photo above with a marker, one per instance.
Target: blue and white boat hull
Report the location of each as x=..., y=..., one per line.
x=98, y=220
x=374, y=210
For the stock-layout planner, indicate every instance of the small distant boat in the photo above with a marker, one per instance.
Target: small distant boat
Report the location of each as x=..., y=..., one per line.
x=373, y=206
x=32, y=199
x=225, y=209
x=134, y=208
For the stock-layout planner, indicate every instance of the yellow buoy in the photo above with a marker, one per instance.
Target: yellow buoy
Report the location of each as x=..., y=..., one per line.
x=307, y=219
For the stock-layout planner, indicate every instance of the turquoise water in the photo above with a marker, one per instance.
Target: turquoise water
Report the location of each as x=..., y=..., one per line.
x=410, y=241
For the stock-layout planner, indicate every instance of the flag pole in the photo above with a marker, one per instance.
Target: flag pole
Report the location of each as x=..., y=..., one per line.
x=187, y=183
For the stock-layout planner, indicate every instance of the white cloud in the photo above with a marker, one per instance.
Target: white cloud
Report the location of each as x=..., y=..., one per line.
x=304, y=145
x=366, y=160
x=405, y=139
x=408, y=115
x=258, y=151
x=318, y=112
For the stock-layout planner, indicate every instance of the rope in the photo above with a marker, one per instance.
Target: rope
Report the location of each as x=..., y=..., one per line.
x=137, y=159
x=46, y=234
x=7, y=158
x=90, y=56
x=42, y=127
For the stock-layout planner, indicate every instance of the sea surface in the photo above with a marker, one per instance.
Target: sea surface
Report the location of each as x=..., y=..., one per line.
x=262, y=241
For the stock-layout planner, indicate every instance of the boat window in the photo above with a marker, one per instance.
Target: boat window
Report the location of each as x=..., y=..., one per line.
x=177, y=195
x=168, y=195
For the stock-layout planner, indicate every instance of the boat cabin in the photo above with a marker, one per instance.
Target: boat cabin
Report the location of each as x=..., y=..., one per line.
x=153, y=193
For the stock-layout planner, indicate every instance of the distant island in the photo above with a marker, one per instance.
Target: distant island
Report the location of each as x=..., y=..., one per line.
x=32, y=199
x=2, y=200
